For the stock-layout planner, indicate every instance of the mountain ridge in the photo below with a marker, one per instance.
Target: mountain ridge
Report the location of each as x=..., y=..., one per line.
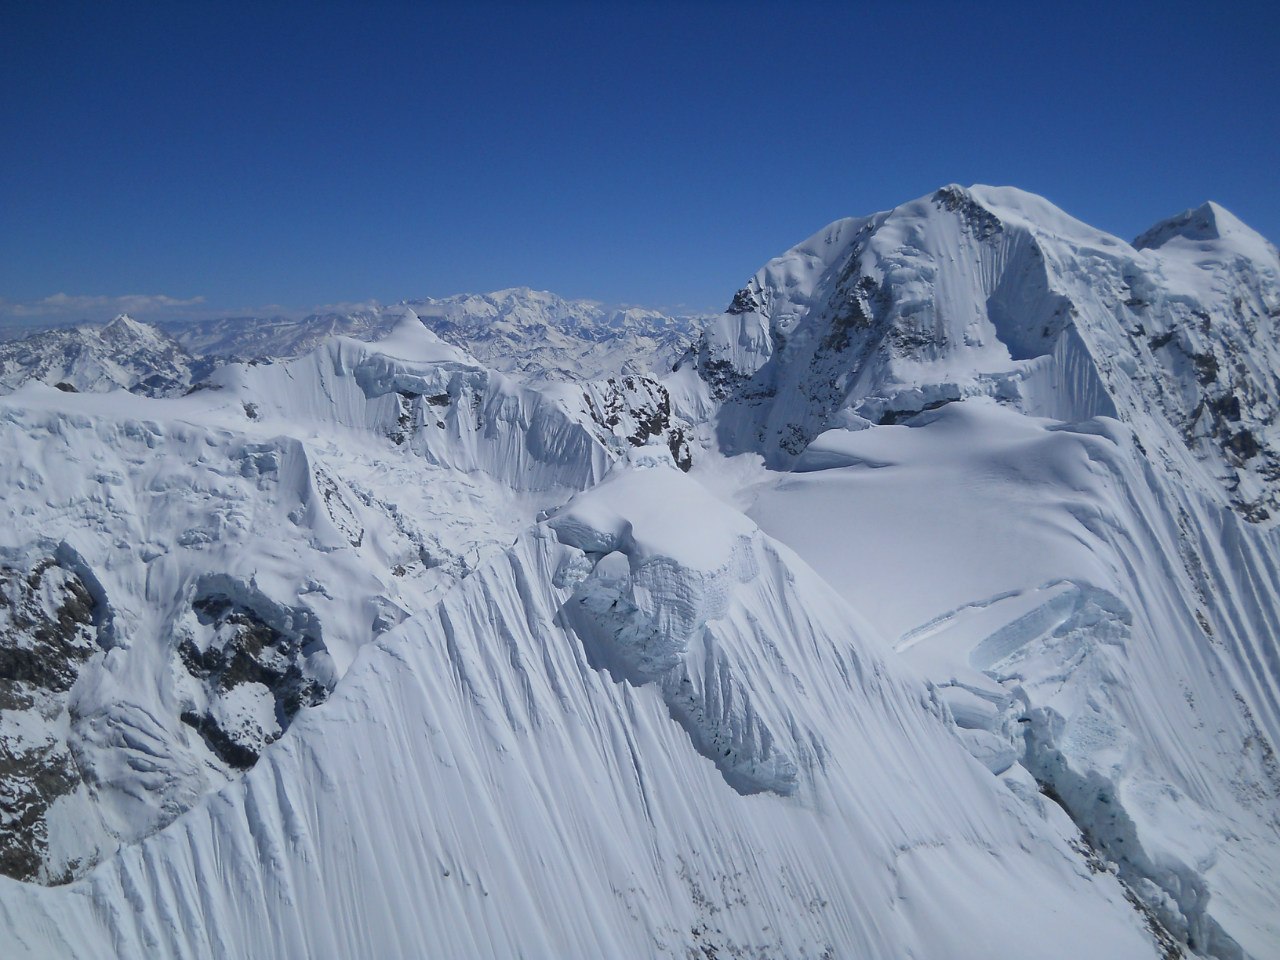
x=928, y=325
x=929, y=602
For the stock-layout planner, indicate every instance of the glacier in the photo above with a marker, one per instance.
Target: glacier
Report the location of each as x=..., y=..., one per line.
x=927, y=607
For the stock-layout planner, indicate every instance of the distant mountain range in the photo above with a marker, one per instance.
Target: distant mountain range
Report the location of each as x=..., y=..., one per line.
x=525, y=333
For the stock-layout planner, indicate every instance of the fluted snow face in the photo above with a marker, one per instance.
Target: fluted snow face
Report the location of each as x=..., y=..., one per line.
x=1097, y=599
x=431, y=397
x=1086, y=616
x=238, y=546
x=480, y=784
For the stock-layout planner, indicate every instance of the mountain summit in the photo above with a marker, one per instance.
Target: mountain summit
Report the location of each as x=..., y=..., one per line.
x=1205, y=224
x=995, y=292
x=123, y=353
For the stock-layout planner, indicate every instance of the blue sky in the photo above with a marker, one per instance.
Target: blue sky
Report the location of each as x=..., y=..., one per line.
x=220, y=158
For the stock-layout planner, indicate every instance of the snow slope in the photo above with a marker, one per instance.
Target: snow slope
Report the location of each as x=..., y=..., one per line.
x=239, y=545
x=479, y=785
x=1110, y=632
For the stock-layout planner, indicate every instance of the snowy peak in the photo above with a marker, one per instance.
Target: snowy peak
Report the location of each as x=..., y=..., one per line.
x=1015, y=208
x=1206, y=223
x=524, y=333
x=124, y=326
x=875, y=318
x=535, y=334
x=411, y=339
x=991, y=291
x=544, y=669
x=122, y=354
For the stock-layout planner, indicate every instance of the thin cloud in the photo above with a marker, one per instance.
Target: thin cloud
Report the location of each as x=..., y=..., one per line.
x=345, y=306
x=63, y=305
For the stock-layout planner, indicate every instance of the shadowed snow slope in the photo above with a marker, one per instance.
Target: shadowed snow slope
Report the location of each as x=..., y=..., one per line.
x=476, y=787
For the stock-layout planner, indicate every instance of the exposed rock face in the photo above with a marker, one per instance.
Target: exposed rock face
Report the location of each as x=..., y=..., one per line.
x=47, y=634
x=636, y=411
x=247, y=666
x=1215, y=352
x=254, y=664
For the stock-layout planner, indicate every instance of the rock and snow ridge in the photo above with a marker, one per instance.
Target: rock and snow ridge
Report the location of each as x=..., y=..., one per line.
x=995, y=292
x=379, y=651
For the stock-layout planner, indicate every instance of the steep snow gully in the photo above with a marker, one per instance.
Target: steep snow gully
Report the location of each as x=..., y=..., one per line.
x=927, y=608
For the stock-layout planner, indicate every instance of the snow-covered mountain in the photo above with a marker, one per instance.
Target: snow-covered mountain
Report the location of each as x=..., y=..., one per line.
x=990, y=292
x=929, y=608
x=536, y=335
x=123, y=353
x=1083, y=555
x=239, y=545
x=529, y=334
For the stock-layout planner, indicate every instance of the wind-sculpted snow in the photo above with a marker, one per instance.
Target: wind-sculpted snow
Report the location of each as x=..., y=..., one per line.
x=431, y=397
x=477, y=787
x=1090, y=621
x=239, y=546
x=643, y=613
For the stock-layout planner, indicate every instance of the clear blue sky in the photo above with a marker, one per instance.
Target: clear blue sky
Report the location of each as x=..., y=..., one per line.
x=300, y=154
